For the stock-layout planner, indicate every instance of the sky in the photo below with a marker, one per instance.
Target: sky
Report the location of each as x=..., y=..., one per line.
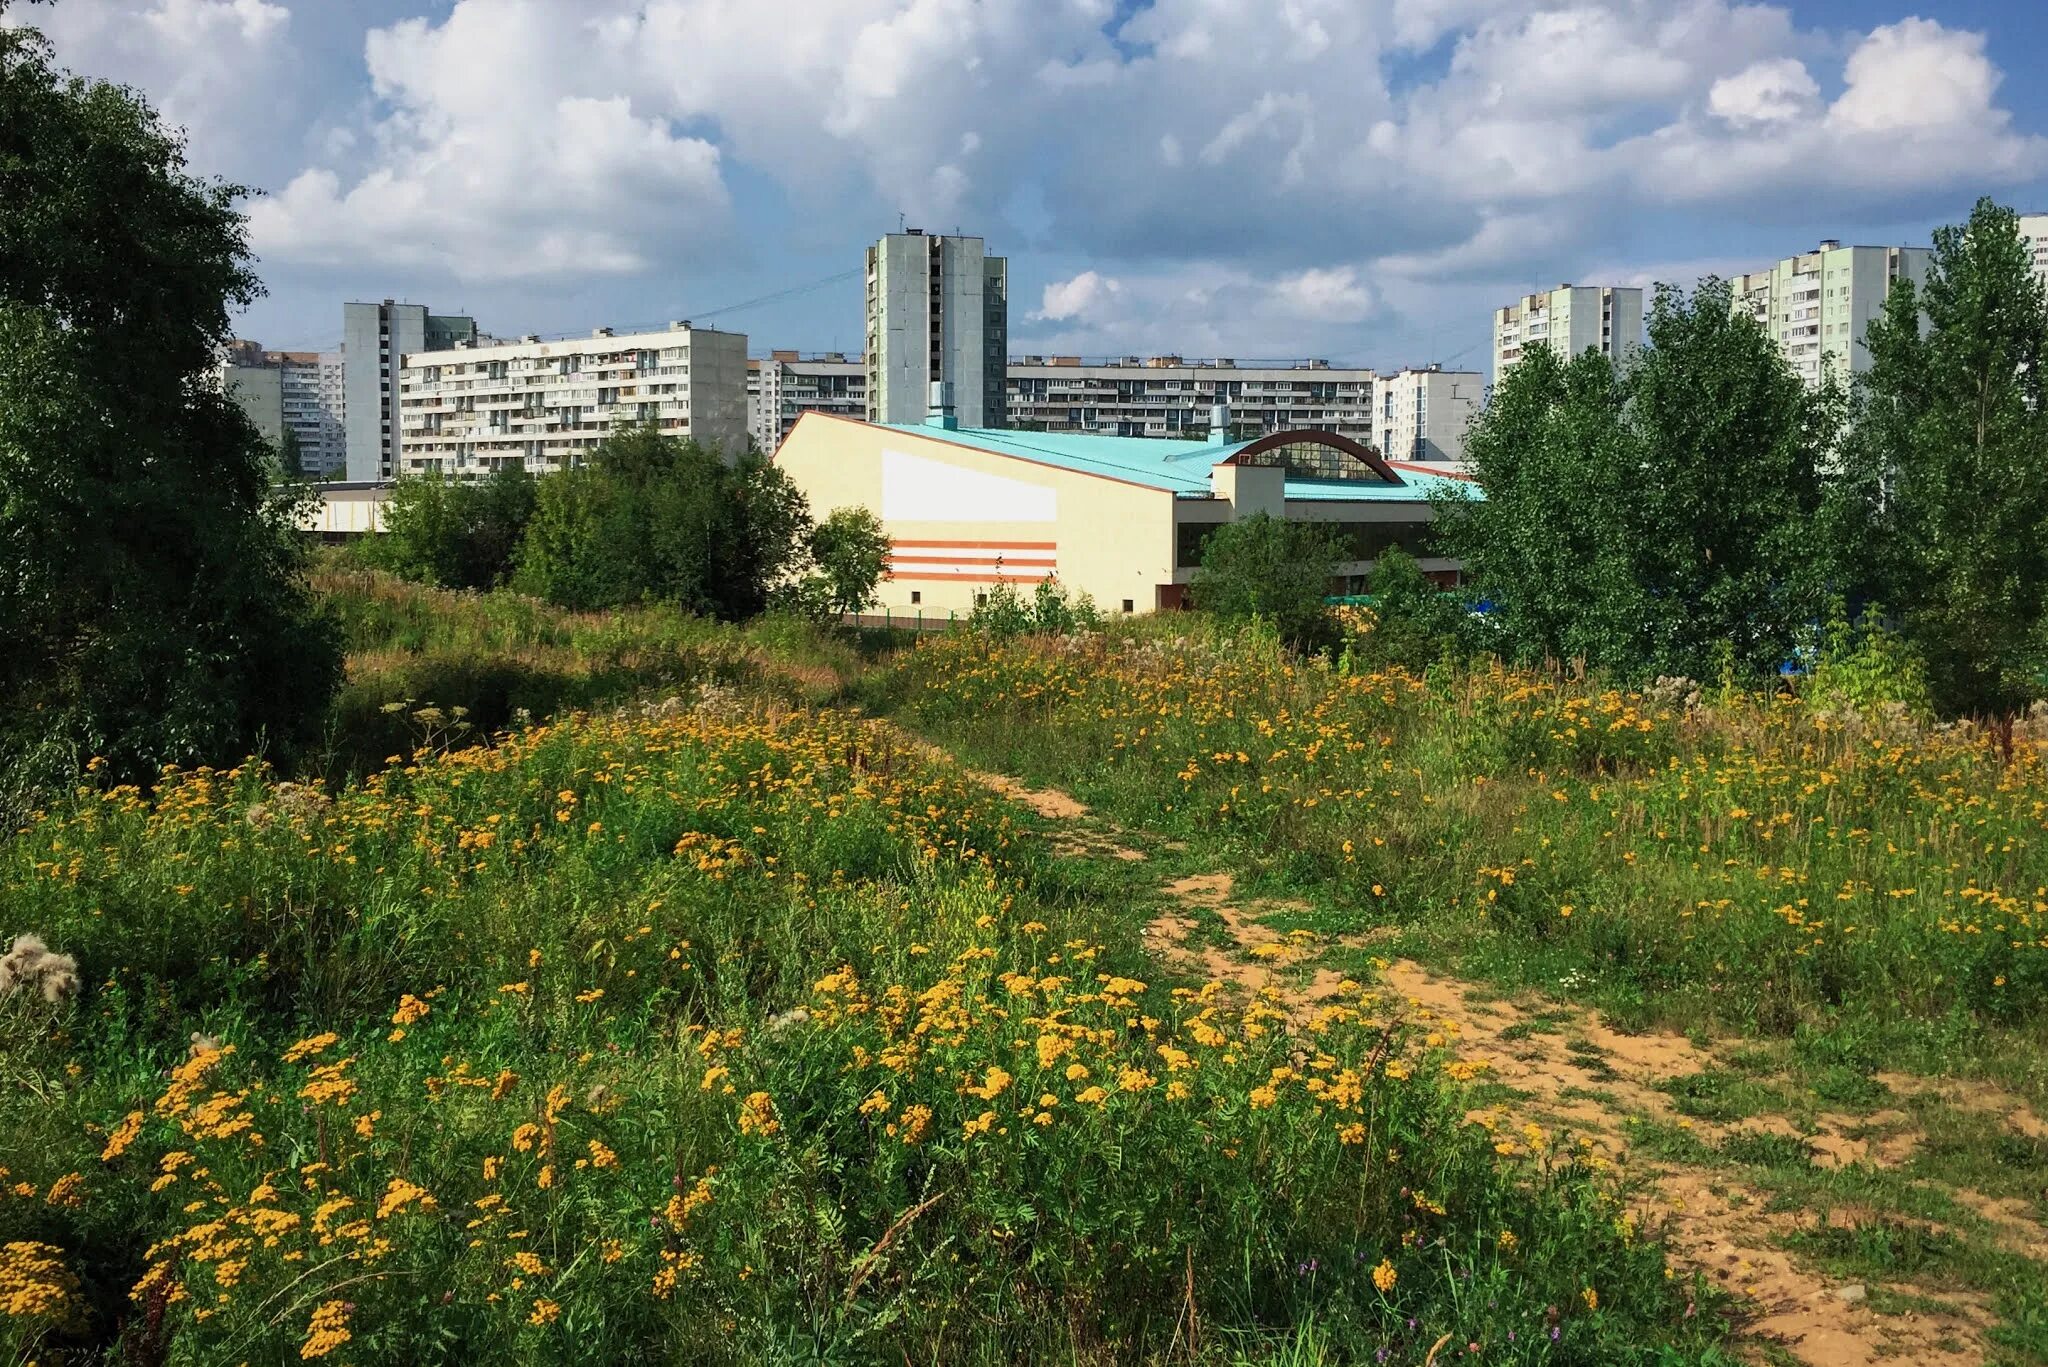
x=1360, y=180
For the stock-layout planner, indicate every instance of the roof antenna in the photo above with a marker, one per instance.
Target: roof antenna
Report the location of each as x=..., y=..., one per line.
x=900, y=221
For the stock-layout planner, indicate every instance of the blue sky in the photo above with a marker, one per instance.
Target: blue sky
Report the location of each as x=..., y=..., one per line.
x=1358, y=179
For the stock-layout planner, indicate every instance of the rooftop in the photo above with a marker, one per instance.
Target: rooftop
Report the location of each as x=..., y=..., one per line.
x=1179, y=467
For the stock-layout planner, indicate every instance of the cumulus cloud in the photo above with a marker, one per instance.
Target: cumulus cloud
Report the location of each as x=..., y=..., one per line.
x=1916, y=75
x=1766, y=92
x=1262, y=164
x=212, y=67
x=1325, y=296
x=1916, y=113
x=1077, y=296
x=1202, y=308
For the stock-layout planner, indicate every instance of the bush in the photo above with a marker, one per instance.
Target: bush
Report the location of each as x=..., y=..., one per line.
x=652, y=518
x=1269, y=567
x=1414, y=622
x=1003, y=612
x=454, y=534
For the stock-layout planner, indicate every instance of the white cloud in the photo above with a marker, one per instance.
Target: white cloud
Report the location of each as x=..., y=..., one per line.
x=1258, y=169
x=1916, y=75
x=1916, y=113
x=1335, y=295
x=1767, y=92
x=1075, y=297
x=212, y=67
x=1203, y=309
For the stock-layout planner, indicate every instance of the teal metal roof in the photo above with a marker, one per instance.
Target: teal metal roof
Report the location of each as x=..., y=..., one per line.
x=1179, y=467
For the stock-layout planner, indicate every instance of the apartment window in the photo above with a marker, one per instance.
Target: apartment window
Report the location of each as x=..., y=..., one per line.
x=1129, y=606
x=916, y=597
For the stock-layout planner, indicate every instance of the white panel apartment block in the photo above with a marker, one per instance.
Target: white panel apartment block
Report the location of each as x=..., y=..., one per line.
x=466, y=411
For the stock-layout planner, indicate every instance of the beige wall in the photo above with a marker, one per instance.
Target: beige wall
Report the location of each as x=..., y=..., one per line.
x=346, y=512
x=1109, y=539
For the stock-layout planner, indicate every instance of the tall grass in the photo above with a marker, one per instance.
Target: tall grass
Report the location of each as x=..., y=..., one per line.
x=1696, y=856
x=702, y=1033
x=442, y=668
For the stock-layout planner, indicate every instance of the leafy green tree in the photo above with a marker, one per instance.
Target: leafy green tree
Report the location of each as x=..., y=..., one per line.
x=849, y=554
x=291, y=456
x=1945, y=474
x=153, y=607
x=1268, y=567
x=458, y=535
x=581, y=547
x=1415, y=622
x=1658, y=521
x=651, y=517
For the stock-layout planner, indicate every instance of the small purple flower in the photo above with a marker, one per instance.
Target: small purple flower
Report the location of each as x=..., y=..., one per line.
x=1555, y=1333
x=1380, y=1356
x=1304, y=1269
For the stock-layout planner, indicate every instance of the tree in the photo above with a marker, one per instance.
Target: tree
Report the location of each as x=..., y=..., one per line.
x=849, y=554
x=458, y=535
x=581, y=548
x=153, y=607
x=1268, y=567
x=1945, y=475
x=655, y=518
x=1658, y=521
x=1414, y=622
x=1549, y=452
x=291, y=456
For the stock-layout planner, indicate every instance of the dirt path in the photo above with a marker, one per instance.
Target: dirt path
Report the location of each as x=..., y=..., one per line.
x=1568, y=1071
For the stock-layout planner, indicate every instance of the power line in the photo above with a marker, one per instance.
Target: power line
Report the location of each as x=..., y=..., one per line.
x=790, y=293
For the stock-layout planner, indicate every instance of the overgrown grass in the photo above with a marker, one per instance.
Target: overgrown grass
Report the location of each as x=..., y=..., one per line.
x=430, y=666
x=1739, y=862
x=702, y=1033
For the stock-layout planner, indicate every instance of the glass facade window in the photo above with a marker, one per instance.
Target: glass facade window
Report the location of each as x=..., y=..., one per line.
x=1317, y=460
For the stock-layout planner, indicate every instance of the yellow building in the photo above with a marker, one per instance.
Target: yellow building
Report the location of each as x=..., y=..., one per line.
x=1122, y=519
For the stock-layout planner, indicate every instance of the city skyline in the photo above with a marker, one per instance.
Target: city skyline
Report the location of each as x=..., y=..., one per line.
x=1364, y=182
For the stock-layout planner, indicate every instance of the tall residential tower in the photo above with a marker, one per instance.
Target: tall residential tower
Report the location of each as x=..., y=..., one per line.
x=2034, y=232
x=1571, y=319
x=374, y=341
x=938, y=309
x=1816, y=306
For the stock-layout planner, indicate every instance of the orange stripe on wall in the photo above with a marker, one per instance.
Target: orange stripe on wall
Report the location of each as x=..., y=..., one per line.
x=978, y=545
x=1027, y=561
x=972, y=578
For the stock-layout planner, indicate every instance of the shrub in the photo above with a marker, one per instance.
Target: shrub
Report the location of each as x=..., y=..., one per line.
x=1269, y=567
x=455, y=534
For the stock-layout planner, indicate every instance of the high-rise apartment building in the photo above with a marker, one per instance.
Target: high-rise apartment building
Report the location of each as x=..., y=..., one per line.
x=1816, y=306
x=2034, y=231
x=1168, y=396
x=1422, y=413
x=258, y=390
x=1571, y=319
x=467, y=410
x=938, y=309
x=375, y=339
x=785, y=385
x=295, y=392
